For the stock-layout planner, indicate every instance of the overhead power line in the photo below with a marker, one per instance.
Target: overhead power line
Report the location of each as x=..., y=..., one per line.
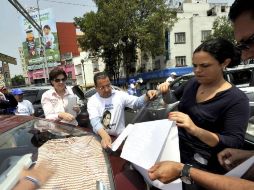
x=69, y=3
x=23, y=11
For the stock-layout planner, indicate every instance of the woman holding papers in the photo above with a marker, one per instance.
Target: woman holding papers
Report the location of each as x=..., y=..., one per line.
x=212, y=114
x=59, y=103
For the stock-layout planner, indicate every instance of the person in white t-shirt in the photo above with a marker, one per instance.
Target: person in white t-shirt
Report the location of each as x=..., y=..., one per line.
x=108, y=102
x=24, y=107
x=171, y=78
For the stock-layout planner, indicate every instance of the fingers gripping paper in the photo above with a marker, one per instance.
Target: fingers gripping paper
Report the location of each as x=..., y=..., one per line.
x=148, y=143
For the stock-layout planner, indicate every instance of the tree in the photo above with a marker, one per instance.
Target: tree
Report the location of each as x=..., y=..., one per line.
x=18, y=80
x=119, y=27
x=222, y=28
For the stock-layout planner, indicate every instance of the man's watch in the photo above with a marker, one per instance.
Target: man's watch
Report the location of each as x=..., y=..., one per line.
x=185, y=174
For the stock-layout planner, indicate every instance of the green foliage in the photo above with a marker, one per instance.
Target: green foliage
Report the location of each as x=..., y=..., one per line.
x=18, y=80
x=119, y=27
x=222, y=28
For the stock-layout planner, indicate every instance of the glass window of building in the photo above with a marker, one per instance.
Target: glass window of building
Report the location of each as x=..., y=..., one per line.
x=180, y=61
x=180, y=38
x=205, y=34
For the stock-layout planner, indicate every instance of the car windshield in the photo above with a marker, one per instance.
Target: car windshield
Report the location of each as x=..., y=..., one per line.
x=36, y=132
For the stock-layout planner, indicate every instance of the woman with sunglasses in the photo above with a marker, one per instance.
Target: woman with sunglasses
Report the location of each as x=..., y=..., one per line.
x=60, y=103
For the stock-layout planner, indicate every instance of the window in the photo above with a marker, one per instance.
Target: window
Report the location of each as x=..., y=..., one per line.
x=180, y=38
x=205, y=34
x=180, y=61
x=223, y=9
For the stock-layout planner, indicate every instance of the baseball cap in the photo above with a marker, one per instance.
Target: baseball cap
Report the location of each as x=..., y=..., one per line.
x=173, y=73
x=17, y=91
x=132, y=81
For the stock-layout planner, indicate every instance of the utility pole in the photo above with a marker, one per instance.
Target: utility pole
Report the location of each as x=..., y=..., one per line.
x=45, y=68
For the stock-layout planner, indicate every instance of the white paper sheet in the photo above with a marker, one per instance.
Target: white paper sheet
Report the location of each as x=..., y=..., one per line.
x=241, y=169
x=72, y=102
x=169, y=152
x=145, y=141
x=115, y=145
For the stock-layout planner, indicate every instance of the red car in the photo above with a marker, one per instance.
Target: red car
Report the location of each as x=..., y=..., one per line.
x=74, y=152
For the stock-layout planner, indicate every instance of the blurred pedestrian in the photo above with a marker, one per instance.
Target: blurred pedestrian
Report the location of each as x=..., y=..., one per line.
x=171, y=78
x=132, y=87
x=25, y=107
x=8, y=103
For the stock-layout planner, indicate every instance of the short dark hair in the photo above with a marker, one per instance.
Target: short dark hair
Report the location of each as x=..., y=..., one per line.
x=46, y=27
x=239, y=7
x=56, y=72
x=100, y=75
x=221, y=49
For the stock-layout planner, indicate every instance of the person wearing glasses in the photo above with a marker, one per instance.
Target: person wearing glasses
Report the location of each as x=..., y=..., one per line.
x=108, y=100
x=60, y=103
x=242, y=16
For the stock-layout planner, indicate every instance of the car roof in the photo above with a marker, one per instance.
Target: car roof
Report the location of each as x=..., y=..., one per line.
x=11, y=121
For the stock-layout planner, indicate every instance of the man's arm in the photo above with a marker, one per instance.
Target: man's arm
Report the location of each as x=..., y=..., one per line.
x=168, y=171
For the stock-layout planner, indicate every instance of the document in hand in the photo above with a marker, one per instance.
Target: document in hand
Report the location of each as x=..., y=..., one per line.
x=242, y=168
x=72, y=102
x=148, y=143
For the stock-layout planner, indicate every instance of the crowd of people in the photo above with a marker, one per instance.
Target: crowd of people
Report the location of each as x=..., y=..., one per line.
x=212, y=115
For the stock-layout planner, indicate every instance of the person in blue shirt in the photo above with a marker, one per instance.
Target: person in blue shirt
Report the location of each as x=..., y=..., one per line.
x=132, y=87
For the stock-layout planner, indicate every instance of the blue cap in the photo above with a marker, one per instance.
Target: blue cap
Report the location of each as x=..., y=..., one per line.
x=17, y=91
x=132, y=81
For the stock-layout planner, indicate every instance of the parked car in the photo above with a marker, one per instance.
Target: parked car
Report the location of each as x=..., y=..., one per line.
x=33, y=94
x=241, y=76
x=25, y=139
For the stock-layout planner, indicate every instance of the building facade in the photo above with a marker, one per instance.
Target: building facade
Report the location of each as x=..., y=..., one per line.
x=194, y=25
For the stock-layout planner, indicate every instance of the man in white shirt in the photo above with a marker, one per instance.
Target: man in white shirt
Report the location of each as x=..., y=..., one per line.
x=24, y=107
x=111, y=102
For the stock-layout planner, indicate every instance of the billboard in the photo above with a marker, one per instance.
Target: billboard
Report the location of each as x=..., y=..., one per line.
x=33, y=45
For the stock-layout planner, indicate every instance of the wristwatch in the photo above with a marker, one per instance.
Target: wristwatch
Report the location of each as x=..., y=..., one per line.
x=185, y=174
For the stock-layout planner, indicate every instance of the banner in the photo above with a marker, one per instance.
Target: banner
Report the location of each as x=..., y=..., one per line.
x=33, y=45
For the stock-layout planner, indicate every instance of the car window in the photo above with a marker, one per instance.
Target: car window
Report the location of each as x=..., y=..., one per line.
x=39, y=95
x=240, y=77
x=180, y=81
x=30, y=95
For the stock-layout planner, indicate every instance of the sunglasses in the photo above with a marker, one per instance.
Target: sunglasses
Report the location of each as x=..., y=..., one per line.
x=60, y=80
x=108, y=86
x=245, y=44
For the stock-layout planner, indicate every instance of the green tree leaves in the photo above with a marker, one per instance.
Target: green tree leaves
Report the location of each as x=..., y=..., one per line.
x=222, y=28
x=120, y=27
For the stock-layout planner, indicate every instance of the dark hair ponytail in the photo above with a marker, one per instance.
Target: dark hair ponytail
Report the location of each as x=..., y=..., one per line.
x=221, y=49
